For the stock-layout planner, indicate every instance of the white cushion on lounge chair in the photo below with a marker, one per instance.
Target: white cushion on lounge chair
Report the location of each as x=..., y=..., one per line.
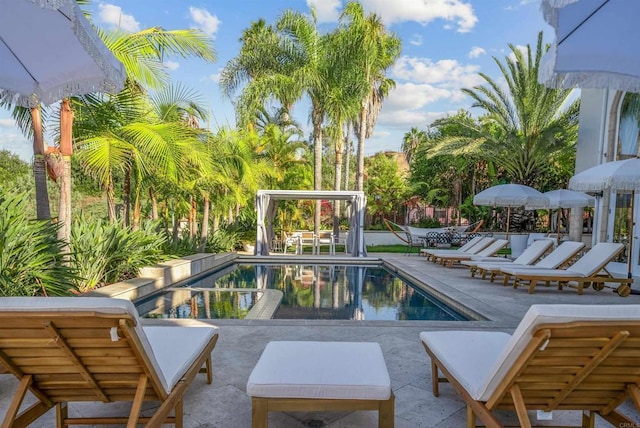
x=589, y=264
x=528, y=256
x=332, y=370
x=483, y=376
x=171, y=350
x=557, y=257
x=467, y=353
x=175, y=348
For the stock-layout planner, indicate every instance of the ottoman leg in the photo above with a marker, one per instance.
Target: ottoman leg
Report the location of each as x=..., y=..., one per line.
x=259, y=412
x=386, y=414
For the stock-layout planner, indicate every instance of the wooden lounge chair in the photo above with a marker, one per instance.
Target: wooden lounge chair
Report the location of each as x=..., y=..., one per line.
x=528, y=256
x=490, y=250
x=478, y=246
x=590, y=268
x=561, y=256
x=72, y=349
x=466, y=247
x=561, y=357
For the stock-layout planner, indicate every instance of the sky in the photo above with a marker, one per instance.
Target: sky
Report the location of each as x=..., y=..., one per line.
x=445, y=44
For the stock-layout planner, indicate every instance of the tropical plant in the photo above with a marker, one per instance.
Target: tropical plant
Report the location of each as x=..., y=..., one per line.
x=31, y=260
x=105, y=253
x=373, y=50
x=386, y=188
x=525, y=126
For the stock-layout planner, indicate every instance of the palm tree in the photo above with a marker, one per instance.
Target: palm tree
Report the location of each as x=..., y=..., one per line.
x=301, y=68
x=525, y=124
x=411, y=142
x=373, y=50
x=110, y=122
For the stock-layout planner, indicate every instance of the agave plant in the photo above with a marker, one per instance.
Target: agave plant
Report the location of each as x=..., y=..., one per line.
x=31, y=260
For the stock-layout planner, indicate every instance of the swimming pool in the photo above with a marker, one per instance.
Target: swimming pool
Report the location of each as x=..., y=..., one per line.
x=299, y=291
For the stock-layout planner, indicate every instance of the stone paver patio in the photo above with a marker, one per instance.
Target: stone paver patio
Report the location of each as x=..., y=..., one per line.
x=224, y=404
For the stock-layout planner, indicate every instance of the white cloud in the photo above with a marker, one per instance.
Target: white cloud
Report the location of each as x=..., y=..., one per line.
x=7, y=123
x=416, y=40
x=112, y=15
x=171, y=65
x=215, y=77
x=446, y=73
x=326, y=10
x=412, y=96
x=456, y=11
x=204, y=21
x=476, y=51
x=16, y=143
x=404, y=119
x=380, y=134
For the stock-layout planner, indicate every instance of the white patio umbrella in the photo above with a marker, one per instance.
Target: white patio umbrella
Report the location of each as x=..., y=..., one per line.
x=511, y=195
x=594, y=45
x=564, y=198
x=49, y=51
x=617, y=175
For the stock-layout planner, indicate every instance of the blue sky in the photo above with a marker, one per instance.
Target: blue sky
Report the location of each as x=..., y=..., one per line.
x=445, y=44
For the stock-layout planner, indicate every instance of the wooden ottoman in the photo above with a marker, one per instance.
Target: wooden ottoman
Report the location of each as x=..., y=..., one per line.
x=320, y=376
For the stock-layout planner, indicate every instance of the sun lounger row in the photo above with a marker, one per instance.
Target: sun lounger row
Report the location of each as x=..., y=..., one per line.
x=485, y=247
x=590, y=269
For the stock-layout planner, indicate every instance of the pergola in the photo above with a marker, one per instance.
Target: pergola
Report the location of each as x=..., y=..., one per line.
x=266, y=204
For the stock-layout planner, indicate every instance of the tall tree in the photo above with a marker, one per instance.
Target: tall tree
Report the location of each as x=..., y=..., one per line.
x=525, y=125
x=374, y=50
x=300, y=70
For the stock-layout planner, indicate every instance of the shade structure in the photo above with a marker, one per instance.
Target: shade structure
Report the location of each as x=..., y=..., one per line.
x=595, y=44
x=564, y=198
x=266, y=207
x=618, y=175
x=49, y=51
x=511, y=195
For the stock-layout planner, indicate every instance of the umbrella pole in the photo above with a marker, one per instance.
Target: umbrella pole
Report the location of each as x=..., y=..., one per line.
x=629, y=261
x=558, y=224
x=508, y=220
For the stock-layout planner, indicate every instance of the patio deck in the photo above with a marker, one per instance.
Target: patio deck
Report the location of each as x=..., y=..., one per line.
x=224, y=404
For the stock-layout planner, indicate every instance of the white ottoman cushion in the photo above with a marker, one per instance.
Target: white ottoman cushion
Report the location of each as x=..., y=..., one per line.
x=331, y=370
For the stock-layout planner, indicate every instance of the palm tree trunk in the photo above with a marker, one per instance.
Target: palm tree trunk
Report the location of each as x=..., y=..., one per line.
x=362, y=132
x=204, y=231
x=111, y=203
x=126, y=195
x=317, y=163
x=337, y=182
x=216, y=223
x=192, y=218
x=136, y=211
x=347, y=156
x=39, y=166
x=66, y=150
x=154, y=204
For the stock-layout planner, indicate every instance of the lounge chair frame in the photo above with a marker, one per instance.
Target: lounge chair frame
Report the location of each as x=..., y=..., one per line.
x=64, y=356
x=592, y=366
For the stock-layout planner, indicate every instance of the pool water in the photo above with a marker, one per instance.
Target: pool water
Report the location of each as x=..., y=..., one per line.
x=306, y=291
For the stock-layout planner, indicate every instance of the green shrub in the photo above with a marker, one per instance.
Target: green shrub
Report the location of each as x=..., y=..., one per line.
x=428, y=222
x=31, y=259
x=105, y=253
x=223, y=240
